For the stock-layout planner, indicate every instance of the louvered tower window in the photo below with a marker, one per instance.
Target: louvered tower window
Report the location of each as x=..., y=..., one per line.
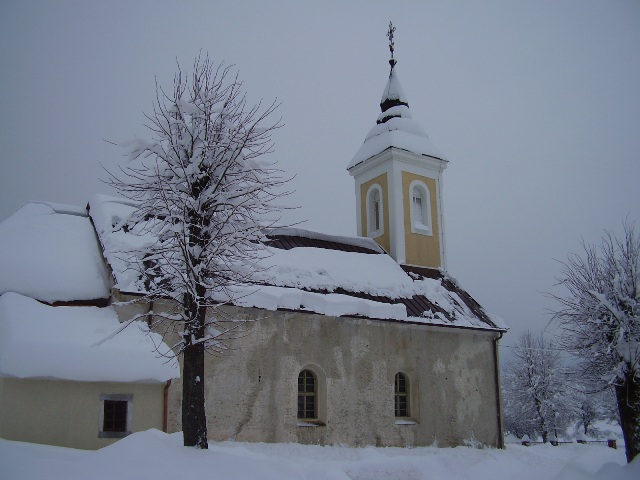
x=375, y=211
x=420, y=208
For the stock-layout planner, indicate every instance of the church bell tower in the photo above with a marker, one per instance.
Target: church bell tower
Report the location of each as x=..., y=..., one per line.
x=398, y=181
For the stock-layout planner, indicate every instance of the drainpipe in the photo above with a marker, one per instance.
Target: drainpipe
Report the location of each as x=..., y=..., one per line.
x=496, y=359
x=165, y=416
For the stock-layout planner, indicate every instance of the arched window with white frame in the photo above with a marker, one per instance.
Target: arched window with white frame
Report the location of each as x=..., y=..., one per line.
x=375, y=211
x=420, y=208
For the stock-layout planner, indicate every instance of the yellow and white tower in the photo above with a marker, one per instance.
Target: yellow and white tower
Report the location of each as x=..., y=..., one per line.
x=398, y=180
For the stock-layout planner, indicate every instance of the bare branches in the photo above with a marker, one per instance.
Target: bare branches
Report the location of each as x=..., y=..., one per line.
x=600, y=317
x=537, y=399
x=600, y=314
x=202, y=188
x=204, y=195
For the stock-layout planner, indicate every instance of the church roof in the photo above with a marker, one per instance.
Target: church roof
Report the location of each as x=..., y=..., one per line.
x=395, y=126
x=288, y=238
x=316, y=273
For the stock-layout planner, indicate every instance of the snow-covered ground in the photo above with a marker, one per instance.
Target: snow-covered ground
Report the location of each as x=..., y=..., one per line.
x=158, y=456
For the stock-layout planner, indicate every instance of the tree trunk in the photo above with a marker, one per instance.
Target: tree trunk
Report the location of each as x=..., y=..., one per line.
x=628, y=398
x=194, y=419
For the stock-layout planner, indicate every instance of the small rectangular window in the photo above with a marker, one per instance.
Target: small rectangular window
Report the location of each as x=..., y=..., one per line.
x=115, y=416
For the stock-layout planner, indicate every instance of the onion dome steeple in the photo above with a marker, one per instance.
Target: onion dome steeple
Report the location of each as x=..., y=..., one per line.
x=393, y=95
x=395, y=126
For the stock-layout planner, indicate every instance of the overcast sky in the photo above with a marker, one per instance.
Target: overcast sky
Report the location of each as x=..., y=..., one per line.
x=535, y=104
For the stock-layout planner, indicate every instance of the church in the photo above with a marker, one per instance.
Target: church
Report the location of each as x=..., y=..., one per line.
x=349, y=340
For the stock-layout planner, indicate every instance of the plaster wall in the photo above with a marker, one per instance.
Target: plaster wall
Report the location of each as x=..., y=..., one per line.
x=251, y=391
x=67, y=414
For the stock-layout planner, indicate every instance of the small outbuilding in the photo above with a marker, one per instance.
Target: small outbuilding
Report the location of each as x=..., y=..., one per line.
x=70, y=373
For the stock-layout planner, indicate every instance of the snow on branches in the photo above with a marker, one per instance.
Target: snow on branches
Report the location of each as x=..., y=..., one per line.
x=203, y=195
x=203, y=192
x=600, y=318
x=536, y=390
x=600, y=314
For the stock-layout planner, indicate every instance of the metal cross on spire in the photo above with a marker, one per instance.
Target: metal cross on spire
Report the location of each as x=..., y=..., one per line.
x=391, y=44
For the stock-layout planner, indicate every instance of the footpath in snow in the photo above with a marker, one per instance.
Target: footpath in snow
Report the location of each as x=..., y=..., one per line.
x=155, y=455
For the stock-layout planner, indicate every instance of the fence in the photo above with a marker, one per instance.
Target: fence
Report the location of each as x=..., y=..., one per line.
x=611, y=443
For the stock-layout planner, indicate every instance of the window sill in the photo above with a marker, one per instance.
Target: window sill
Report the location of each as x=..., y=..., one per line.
x=376, y=233
x=310, y=423
x=113, y=434
x=403, y=421
x=421, y=230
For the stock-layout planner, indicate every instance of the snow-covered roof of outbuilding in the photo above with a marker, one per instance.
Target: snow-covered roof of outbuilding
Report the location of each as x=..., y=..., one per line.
x=307, y=271
x=109, y=215
x=395, y=127
x=50, y=252
x=78, y=343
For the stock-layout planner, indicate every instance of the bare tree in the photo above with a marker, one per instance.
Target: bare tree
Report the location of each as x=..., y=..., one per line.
x=600, y=317
x=537, y=398
x=593, y=407
x=204, y=195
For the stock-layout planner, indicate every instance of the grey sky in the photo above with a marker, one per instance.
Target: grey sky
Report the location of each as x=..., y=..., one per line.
x=535, y=104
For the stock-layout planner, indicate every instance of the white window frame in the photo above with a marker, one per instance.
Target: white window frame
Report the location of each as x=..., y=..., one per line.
x=126, y=397
x=372, y=231
x=423, y=226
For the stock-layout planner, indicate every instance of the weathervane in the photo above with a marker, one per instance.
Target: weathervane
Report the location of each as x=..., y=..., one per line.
x=392, y=29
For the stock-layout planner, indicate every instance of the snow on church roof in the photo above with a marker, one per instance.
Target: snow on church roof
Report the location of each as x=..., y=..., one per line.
x=307, y=271
x=395, y=127
x=337, y=283
x=76, y=343
x=50, y=252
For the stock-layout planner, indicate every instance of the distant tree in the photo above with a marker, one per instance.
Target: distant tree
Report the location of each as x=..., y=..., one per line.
x=204, y=194
x=516, y=419
x=588, y=413
x=593, y=407
x=537, y=397
x=600, y=318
